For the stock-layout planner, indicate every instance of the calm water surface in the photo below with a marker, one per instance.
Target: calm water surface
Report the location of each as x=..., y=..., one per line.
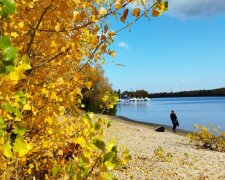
x=189, y=110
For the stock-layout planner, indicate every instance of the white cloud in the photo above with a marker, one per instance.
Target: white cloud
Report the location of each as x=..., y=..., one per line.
x=124, y=45
x=196, y=8
x=186, y=9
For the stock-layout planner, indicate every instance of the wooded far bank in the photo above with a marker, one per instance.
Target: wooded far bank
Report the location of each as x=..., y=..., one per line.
x=193, y=93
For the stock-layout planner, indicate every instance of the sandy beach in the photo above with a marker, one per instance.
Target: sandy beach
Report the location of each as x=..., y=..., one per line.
x=163, y=155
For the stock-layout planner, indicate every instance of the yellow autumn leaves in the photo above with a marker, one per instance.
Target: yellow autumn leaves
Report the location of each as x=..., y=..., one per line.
x=159, y=8
x=208, y=137
x=43, y=129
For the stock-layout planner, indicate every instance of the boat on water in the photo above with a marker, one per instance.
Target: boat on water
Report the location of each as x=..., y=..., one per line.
x=133, y=99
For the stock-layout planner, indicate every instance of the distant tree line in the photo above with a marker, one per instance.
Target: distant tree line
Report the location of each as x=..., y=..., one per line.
x=194, y=93
x=131, y=94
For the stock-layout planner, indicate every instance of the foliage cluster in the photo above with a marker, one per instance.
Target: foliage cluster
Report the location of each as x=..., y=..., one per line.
x=93, y=98
x=46, y=50
x=208, y=138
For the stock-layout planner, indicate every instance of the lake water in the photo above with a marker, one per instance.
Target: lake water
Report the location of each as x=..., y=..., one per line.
x=189, y=110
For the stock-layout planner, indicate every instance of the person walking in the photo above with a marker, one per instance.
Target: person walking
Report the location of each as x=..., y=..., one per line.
x=174, y=120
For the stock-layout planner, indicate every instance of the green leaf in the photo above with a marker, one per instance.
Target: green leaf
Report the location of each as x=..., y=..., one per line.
x=20, y=93
x=71, y=169
x=10, y=7
x=8, y=107
x=109, y=156
x=99, y=144
x=83, y=168
x=10, y=69
x=7, y=149
x=19, y=130
x=2, y=123
x=109, y=124
x=23, y=100
x=97, y=126
x=110, y=165
x=1, y=133
x=22, y=97
x=56, y=170
x=20, y=146
x=2, y=69
x=166, y=6
x=9, y=54
x=17, y=113
x=4, y=42
x=25, y=62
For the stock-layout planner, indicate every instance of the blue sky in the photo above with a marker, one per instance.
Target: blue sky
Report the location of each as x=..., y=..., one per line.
x=183, y=49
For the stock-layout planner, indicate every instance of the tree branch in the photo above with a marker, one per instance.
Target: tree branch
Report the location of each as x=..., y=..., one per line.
x=34, y=29
x=51, y=59
x=95, y=163
x=92, y=55
x=88, y=23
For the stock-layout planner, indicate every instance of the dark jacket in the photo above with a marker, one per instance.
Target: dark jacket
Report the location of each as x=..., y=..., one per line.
x=173, y=118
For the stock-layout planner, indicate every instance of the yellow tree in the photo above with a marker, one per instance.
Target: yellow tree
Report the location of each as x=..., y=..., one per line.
x=92, y=99
x=43, y=132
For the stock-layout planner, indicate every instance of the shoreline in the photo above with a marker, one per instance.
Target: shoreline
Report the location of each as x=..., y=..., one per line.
x=151, y=125
x=161, y=155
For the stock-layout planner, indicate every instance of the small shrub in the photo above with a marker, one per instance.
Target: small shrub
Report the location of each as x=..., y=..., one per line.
x=208, y=138
x=161, y=155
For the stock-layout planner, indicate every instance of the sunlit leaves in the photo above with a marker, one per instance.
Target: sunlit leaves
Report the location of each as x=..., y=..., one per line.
x=99, y=144
x=88, y=85
x=155, y=13
x=208, y=138
x=81, y=141
x=102, y=11
x=19, y=130
x=110, y=99
x=118, y=4
x=25, y=62
x=109, y=156
x=124, y=15
x=143, y=2
x=26, y=107
x=20, y=147
x=47, y=69
x=109, y=124
x=83, y=167
x=8, y=107
x=159, y=7
x=2, y=123
x=56, y=171
x=136, y=12
x=7, y=149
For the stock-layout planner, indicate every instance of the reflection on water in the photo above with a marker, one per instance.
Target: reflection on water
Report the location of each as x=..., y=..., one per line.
x=190, y=110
